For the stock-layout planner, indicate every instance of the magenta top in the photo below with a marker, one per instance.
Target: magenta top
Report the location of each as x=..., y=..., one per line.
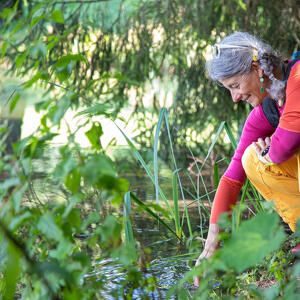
x=284, y=143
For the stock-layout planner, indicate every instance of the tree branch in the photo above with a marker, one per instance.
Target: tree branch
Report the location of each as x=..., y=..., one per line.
x=71, y=2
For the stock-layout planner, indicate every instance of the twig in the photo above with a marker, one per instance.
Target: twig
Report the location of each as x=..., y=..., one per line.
x=71, y=2
x=22, y=248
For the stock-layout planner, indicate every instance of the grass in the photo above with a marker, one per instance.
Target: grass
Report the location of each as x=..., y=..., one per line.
x=179, y=191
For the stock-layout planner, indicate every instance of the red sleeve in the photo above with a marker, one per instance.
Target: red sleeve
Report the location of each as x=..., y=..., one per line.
x=226, y=197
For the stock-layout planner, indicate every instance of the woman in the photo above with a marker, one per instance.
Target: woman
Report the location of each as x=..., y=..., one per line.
x=267, y=152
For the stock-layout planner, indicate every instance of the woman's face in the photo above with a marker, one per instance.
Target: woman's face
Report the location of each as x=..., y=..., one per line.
x=246, y=87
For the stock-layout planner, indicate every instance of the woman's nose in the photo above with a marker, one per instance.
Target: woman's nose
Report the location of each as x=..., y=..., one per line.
x=236, y=97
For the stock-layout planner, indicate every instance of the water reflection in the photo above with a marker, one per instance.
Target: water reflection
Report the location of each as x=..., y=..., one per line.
x=168, y=261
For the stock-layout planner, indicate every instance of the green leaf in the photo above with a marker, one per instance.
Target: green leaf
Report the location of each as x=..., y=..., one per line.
x=63, y=250
x=49, y=228
x=252, y=241
x=65, y=166
x=72, y=202
x=147, y=209
x=57, y=16
x=10, y=182
x=98, y=109
x=65, y=60
x=3, y=49
x=72, y=181
x=14, y=102
x=38, y=50
x=11, y=272
x=74, y=218
x=20, y=59
x=99, y=169
x=18, y=220
x=59, y=110
x=36, y=20
x=18, y=196
x=35, y=78
x=94, y=135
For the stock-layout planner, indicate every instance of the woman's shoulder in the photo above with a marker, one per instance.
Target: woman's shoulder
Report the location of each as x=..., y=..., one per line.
x=293, y=69
x=258, y=119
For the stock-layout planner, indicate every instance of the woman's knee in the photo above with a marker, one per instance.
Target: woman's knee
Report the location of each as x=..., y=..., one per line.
x=248, y=160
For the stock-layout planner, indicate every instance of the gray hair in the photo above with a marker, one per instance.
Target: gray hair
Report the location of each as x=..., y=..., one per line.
x=234, y=56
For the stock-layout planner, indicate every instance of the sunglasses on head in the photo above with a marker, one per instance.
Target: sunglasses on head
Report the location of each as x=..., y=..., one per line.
x=217, y=49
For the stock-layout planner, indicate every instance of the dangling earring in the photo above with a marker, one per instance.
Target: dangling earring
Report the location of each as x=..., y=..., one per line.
x=261, y=88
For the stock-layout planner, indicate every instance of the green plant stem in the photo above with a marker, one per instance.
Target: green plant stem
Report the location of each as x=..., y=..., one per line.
x=22, y=249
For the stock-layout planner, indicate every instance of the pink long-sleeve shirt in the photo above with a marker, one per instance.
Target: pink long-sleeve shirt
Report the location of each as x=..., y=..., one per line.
x=284, y=143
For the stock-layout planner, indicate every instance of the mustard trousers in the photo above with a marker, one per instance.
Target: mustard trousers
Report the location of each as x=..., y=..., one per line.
x=278, y=183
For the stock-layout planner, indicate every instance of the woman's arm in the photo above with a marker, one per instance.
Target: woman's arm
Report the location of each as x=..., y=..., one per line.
x=286, y=140
x=256, y=126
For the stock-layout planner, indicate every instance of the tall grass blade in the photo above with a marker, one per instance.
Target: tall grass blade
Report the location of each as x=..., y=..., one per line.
x=141, y=160
x=216, y=175
x=152, y=213
x=175, y=200
x=213, y=142
x=230, y=135
x=178, y=177
x=127, y=214
x=155, y=151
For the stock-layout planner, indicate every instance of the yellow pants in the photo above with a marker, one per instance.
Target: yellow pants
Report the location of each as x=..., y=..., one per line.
x=278, y=183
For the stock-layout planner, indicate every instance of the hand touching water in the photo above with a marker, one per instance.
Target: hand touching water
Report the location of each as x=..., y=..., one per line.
x=211, y=245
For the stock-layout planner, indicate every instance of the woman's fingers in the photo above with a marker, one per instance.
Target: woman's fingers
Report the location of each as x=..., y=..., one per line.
x=267, y=141
x=261, y=145
x=257, y=148
x=211, y=244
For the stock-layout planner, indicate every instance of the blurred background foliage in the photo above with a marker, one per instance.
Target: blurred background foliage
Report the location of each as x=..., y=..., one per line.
x=108, y=52
x=99, y=57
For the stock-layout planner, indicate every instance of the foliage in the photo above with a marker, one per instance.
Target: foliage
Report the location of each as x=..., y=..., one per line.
x=230, y=273
x=90, y=56
x=103, y=51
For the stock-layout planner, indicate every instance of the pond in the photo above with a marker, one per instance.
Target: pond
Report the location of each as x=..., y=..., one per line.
x=168, y=261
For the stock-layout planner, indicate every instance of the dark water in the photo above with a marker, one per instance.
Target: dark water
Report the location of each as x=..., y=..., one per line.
x=168, y=261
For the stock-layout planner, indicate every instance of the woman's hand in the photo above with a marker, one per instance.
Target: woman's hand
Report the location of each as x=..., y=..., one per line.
x=211, y=245
x=262, y=147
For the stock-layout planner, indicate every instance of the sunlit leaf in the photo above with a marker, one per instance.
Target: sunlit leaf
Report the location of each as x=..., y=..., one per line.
x=57, y=16
x=252, y=241
x=94, y=134
x=72, y=181
x=14, y=102
x=63, y=61
x=3, y=49
x=98, y=109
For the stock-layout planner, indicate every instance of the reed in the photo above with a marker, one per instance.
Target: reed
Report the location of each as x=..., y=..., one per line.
x=178, y=189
